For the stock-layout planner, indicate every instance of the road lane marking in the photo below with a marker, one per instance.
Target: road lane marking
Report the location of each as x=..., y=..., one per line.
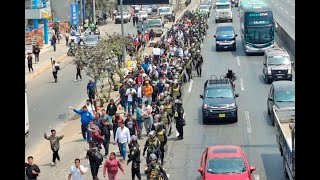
x=293, y=17
x=281, y=7
x=286, y=12
x=256, y=177
x=246, y=114
x=190, y=86
x=241, y=84
x=238, y=61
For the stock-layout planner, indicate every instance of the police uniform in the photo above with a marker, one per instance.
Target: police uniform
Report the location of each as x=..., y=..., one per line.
x=152, y=146
x=155, y=171
x=161, y=135
x=134, y=156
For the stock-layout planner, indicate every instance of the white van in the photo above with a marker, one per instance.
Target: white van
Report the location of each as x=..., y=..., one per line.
x=223, y=11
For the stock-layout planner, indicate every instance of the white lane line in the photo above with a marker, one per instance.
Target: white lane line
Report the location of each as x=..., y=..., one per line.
x=293, y=17
x=190, y=86
x=241, y=84
x=281, y=7
x=256, y=177
x=238, y=61
x=286, y=12
x=246, y=114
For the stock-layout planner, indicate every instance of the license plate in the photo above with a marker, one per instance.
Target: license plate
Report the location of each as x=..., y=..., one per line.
x=226, y=47
x=222, y=115
x=279, y=76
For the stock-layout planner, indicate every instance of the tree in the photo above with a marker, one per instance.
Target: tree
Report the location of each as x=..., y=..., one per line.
x=101, y=62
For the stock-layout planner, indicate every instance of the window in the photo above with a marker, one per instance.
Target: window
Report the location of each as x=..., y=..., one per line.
x=224, y=33
x=154, y=23
x=279, y=60
x=164, y=10
x=259, y=35
x=203, y=7
x=226, y=165
x=285, y=96
x=223, y=6
x=220, y=93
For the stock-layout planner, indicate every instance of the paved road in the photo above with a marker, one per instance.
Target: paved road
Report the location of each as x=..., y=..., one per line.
x=284, y=13
x=49, y=102
x=253, y=132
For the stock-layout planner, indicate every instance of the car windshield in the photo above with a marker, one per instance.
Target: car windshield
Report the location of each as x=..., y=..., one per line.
x=203, y=7
x=224, y=33
x=92, y=38
x=223, y=6
x=154, y=23
x=124, y=13
x=259, y=35
x=279, y=60
x=164, y=10
x=226, y=165
x=219, y=93
x=285, y=96
x=143, y=13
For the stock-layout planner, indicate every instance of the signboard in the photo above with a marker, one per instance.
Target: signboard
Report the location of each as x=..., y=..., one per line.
x=74, y=14
x=143, y=2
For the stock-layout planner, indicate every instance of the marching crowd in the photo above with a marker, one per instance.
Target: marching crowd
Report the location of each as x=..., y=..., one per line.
x=151, y=96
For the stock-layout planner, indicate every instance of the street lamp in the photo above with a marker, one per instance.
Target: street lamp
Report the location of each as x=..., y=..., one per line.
x=122, y=33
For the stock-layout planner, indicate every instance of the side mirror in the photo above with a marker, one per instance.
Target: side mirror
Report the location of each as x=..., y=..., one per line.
x=252, y=168
x=200, y=170
x=214, y=36
x=236, y=95
x=201, y=96
x=264, y=63
x=235, y=35
x=275, y=26
x=270, y=99
x=292, y=62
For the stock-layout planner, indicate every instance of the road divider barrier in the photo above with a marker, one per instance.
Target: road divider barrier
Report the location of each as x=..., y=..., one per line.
x=286, y=40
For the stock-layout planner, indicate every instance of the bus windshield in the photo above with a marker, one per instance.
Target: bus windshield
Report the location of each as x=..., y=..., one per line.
x=259, y=35
x=225, y=6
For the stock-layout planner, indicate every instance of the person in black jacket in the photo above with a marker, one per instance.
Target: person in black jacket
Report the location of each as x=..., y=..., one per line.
x=36, y=52
x=111, y=110
x=106, y=132
x=155, y=92
x=94, y=167
x=134, y=156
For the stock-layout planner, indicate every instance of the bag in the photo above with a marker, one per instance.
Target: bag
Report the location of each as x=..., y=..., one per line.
x=57, y=67
x=98, y=157
x=160, y=135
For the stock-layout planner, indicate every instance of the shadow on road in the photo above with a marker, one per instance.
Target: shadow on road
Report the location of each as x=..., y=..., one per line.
x=273, y=166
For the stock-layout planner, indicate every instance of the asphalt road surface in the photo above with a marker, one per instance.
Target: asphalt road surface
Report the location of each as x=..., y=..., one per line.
x=253, y=131
x=284, y=13
x=48, y=102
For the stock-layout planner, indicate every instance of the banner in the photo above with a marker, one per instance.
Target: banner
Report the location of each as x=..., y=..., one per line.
x=74, y=14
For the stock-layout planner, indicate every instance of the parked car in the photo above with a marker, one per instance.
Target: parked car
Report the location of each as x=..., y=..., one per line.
x=126, y=17
x=147, y=8
x=142, y=15
x=91, y=40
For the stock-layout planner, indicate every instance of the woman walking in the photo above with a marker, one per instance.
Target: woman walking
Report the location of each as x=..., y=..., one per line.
x=78, y=71
x=112, y=165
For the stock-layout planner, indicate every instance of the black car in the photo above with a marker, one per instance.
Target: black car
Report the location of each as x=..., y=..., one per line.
x=282, y=95
x=225, y=38
x=219, y=102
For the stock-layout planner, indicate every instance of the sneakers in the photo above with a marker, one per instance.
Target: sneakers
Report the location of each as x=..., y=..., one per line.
x=75, y=80
x=53, y=164
x=179, y=138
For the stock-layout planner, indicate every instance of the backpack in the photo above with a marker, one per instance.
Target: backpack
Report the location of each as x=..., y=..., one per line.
x=160, y=135
x=98, y=157
x=57, y=67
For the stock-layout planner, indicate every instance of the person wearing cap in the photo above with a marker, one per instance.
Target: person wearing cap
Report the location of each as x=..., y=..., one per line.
x=147, y=92
x=134, y=156
x=54, y=144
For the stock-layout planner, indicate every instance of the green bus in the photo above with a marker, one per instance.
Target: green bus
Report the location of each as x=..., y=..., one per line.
x=257, y=26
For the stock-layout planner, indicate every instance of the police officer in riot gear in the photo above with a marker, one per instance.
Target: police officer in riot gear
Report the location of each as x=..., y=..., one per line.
x=154, y=170
x=199, y=64
x=152, y=145
x=134, y=156
x=161, y=135
x=179, y=117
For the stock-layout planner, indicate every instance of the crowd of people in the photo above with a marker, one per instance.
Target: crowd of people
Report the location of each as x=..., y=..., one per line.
x=151, y=97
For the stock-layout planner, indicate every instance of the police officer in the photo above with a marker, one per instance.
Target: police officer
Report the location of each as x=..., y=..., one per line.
x=189, y=70
x=152, y=145
x=168, y=107
x=134, y=156
x=179, y=117
x=161, y=100
x=161, y=135
x=199, y=64
x=154, y=170
x=165, y=119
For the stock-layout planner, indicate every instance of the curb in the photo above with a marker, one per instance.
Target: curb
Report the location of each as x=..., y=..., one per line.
x=59, y=59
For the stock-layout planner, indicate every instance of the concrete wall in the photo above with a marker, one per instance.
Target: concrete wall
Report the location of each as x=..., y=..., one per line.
x=61, y=9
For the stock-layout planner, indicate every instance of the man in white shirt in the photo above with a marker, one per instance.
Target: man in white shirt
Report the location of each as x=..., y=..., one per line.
x=156, y=54
x=139, y=92
x=55, y=69
x=146, y=115
x=130, y=93
x=77, y=171
x=122, y=138
x=90, y=107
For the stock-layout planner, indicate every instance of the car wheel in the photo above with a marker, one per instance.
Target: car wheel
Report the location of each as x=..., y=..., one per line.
x=217, y=48
x=230, y=20
x=235, y=119
x=268, y=81
x=234, y=48
x=217, y=21
x=290, y=79
x=272, y=119
x=204, y=121
x=268, y=109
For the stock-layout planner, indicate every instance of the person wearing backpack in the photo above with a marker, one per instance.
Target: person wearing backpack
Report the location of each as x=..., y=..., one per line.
x=95, y=160
x=161, y=135
x=152, y=145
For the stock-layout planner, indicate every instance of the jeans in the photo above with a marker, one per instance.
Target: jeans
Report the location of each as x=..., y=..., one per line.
x=139, y=100
x=106, y=145
x=36, y=58
x=54, y=47
x=124, y=104
x=55, y=155
x=84, y=131
x=130, y=105
x=147, y=124
x=123, y=149
x=94, y=170
x=110, y=120
x=149, y=99
x=140, y=127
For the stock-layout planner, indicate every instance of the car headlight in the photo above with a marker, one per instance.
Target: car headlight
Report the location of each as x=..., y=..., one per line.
x=233, y=105
x=205, y=106
x=289, y=71
x=248, y=46
x=269, y=70
x=232, y=41
x=218, y=42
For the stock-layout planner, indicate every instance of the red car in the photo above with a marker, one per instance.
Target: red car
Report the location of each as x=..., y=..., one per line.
x=225, y=163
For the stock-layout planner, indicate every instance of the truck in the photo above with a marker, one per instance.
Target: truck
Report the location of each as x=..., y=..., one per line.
x=285, y=134
x=223, y=11
x=26, y=121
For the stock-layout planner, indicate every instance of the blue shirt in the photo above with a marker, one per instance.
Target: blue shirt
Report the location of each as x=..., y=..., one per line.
x=160, y=87
x=86, y=116
x=90, y=87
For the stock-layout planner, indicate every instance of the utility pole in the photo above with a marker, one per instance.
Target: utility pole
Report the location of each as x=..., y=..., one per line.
x=94, y=11
x=81, y=14
x=122, y=33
